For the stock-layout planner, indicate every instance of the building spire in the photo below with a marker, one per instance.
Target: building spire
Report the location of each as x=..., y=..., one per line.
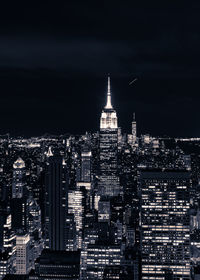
x=134, y=117
x=49, y=153
x=108, y=104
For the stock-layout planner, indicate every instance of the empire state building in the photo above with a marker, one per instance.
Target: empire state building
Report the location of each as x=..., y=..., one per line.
x=109, y=181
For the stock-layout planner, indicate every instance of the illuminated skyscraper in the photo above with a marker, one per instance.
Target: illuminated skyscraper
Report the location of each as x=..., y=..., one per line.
x=76, y=207
x=109, y=181
x=22, y=254
x=165, y=225
x=18, y=178
x=9, y=237
x=86, y=165
x=132, y=138
x=134, y=129
x=99, y=256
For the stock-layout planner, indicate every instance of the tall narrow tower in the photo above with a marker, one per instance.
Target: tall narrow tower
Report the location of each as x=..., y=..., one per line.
x=134, y=129
x=108, y=116
x=109, y=181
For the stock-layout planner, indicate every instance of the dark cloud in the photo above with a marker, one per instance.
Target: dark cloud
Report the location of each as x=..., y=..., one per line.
x=90, y=56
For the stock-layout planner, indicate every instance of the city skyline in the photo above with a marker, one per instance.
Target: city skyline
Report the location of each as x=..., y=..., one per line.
x=147, y=118
x=104, y=205
x=99, y=140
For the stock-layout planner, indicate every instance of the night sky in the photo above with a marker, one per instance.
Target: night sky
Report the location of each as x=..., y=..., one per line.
x=54, y=60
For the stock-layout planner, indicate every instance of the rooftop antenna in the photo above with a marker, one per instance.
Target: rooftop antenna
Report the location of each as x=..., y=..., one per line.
x=108, y=104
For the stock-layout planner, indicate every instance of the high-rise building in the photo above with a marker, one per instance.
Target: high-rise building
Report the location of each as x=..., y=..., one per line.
x=130, y=264
x=3, y=218
x=86, y=165
x=104, y=211
x=76, y=207
x=19, y=213
x=165, y=225
x=18, y=178
x=22, y=254
x=109, y=180
x=34, y=216
x=132, y=138
x=99, y=256
x=71, y=237
x=9, y=237
x=19, y=202
x=6, y=264
x=56, y=203
x=134, y=129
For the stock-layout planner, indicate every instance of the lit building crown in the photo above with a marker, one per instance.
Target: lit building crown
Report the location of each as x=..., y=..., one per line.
x=108, y=115
x=19, y=163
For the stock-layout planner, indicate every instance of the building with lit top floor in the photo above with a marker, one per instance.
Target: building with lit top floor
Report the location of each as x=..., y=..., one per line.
x=18, y=178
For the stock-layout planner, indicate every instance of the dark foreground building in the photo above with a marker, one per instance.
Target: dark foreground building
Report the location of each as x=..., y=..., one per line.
x=16, y=277
x=56, y=190
x=57, y=265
